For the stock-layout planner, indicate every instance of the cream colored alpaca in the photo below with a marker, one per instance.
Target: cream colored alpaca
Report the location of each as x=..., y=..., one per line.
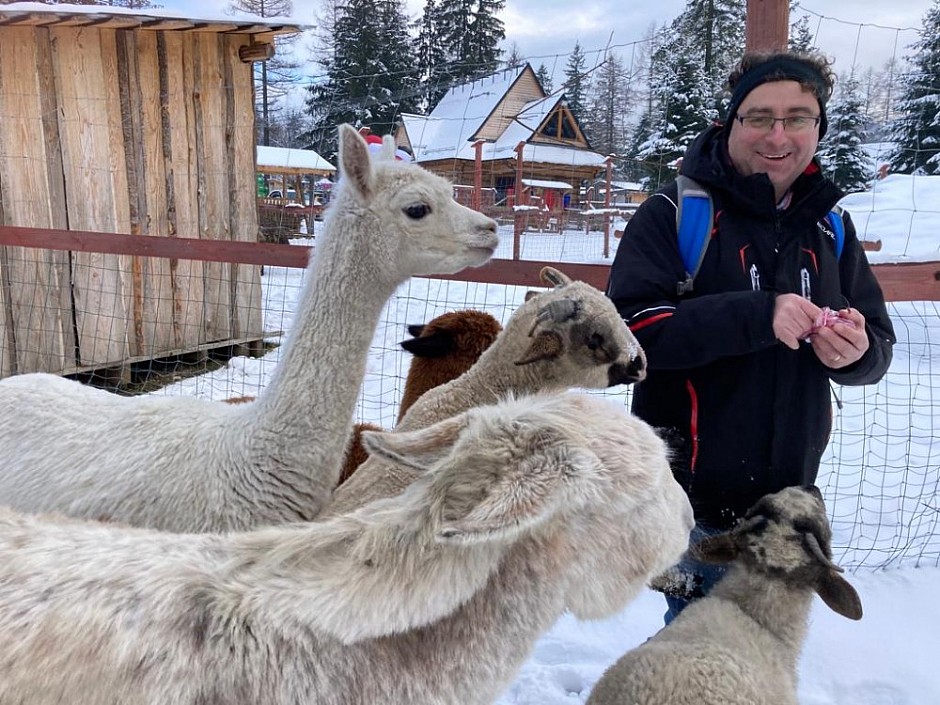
x=523, y=510
x=183, y=464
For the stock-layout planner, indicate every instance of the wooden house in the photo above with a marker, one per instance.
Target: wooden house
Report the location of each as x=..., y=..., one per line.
x=487, y=122
x=126, y=121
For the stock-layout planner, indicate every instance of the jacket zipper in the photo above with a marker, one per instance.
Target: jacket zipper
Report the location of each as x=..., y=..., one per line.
x=693, y=423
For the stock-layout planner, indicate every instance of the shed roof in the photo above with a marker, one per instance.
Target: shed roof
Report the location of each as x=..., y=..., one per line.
x=292, y=161
x=38, y=14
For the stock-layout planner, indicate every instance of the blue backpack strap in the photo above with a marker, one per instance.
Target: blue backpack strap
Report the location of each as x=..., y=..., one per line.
x=838, y=228
x=695, y=215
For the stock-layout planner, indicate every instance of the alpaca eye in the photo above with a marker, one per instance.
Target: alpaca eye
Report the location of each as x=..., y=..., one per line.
x=595, y=342
x=417, y=211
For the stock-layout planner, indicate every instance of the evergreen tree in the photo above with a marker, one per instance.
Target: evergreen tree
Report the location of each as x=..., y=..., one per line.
x=545, y=78
x=606, y=120
x=682, y=108
x=461, y=40
x=576, y=81
x=715, y=30
x=841, y=155
x=514, y=57
x=916, y=132
x=275, y=77
x=801, y=37
x=371, y=76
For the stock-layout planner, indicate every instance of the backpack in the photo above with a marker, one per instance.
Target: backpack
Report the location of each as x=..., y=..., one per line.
x=695, y=217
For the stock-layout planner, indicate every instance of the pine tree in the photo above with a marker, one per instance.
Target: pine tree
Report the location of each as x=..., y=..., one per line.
x=606, y=120
x=801, y=37
x=545, y=78
x=458, y=42
x=371, y=76
x=576, y=81
x=682, y=100
x=715, y=28
x=916, y=132
x=841, y=155
x=514, y=57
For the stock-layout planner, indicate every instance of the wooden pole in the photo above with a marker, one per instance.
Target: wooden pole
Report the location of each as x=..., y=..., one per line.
x=477, y=200
x=610, y=173
x=521, y=215
x=766, y=25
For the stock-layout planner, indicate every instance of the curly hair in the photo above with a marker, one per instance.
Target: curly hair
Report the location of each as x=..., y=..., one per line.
x=815, y=62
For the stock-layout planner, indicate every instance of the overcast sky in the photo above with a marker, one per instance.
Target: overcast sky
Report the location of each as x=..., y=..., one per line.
x=851, y=31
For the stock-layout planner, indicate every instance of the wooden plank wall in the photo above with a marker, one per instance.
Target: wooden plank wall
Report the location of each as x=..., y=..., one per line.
x=131, y=131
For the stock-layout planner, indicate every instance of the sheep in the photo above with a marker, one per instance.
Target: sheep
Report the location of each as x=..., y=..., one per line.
x=523, y=510
x=568, y=336
x=443, y=349
x=740, y=644
x=184, y=464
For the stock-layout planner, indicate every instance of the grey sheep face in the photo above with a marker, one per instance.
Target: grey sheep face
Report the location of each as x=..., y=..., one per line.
x=786, y=536
x=577, y=326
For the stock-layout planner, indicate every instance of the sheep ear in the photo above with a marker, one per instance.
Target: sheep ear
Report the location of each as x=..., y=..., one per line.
x=418, y=450
x=531, y=294
x=547, y=345
x=355, y=163
x=553, y=277
x=720, y=548
x=839, y=595
x=437, y=344
x=532, y=491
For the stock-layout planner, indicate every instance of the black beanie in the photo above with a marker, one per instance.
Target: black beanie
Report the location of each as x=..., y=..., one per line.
x=779, y=68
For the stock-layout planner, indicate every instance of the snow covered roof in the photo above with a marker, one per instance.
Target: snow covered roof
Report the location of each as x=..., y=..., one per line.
x=40, y=14
x=448, y=131
x=304, y=161
x=539, y=183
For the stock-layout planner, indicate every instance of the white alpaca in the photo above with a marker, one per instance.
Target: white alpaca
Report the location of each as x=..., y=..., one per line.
x=523, y=510
x=568, y=336
x=183, y=464
x=741, y=643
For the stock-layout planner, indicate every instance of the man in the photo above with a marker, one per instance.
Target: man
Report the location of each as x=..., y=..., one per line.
x=740, y=366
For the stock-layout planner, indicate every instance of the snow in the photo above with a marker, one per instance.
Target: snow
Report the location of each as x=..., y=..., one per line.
x=887, y=658
x=271, y=158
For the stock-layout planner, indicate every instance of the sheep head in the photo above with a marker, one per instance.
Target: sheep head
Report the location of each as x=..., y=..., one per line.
x=575, y=324
x=786, y=536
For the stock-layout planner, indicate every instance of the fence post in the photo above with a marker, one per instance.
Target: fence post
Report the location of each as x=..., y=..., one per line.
x=520, y=215
x=476, y=201
x=610, y=171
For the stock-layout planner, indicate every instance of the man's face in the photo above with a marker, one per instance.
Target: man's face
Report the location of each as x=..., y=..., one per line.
x=781, y=154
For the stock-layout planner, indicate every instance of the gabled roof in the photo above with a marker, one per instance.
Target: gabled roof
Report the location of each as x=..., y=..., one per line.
x=448, y=132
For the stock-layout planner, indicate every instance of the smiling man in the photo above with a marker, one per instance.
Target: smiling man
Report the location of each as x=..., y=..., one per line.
x=740, y=362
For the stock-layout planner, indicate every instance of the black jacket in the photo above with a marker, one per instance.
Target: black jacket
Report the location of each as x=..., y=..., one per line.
x=752, y=415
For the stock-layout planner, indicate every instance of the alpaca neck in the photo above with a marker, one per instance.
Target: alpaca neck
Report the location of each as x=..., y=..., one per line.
x=303, y=417
x=781, y=609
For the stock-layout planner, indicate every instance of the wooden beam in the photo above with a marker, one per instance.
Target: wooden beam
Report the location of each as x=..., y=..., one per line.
x=908, y=281
x=766, y=25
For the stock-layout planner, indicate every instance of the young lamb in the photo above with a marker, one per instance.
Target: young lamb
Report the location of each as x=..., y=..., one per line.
x=442, y=349
x=568, y=336
x=740, y=644
x=523, y=510
x=183, y=464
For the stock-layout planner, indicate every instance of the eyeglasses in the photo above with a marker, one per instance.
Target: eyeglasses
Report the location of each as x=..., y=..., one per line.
x=765, y=123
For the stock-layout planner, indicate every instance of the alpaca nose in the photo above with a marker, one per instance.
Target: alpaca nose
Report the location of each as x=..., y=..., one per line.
x=620, y=373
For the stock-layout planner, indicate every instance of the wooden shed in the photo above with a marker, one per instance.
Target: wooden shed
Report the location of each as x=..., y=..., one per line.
x=126, y=121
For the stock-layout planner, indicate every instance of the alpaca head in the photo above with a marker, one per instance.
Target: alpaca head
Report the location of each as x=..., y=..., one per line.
x=464, y=333
x=577, y=334
x=577, y=471
x=406, y=215
x=786, y=536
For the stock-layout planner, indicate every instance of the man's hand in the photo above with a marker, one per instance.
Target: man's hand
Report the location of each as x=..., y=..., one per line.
x=838, y=346
x=794, y=317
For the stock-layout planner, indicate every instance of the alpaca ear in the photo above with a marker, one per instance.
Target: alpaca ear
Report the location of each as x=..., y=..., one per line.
x=415, y=329
x=418, y=450
x=479, y=508
x=437, y=344
x=355, y=162
x=839, y=595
